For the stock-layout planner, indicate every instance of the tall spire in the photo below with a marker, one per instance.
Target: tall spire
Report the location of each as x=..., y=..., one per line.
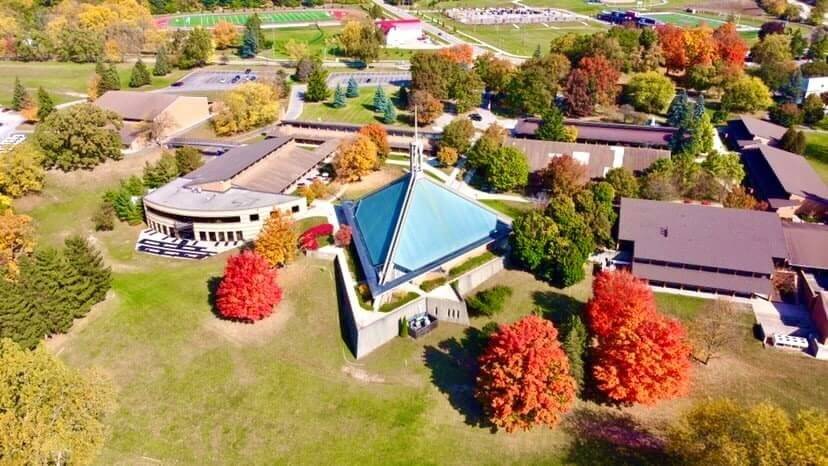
x=415, y=149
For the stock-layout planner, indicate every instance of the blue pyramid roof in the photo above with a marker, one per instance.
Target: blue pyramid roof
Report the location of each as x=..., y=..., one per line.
x=419, y=223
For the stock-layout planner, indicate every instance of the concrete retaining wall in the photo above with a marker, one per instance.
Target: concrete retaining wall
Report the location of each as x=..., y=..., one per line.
x=473, y=279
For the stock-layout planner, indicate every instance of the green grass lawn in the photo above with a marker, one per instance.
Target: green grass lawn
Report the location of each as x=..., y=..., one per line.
x=193, y=389
x=357, y=110
x=320, y=40
x=64, y=81
x=816, y=151
x=239, y=19
x=508, y=208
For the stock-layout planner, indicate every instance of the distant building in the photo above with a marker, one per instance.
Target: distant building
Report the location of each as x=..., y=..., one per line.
x=815, y=85
x=808, y=253
x=748, y=131
x=229, y=198
x=400, y=32
x=702, y=248
x=786, y=181
x=599, y=159
x=605, y=133
x=170, y=113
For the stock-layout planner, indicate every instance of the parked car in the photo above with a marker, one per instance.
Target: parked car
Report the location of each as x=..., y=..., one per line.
x=475, y=117
x=235, y=79
x=177, y=84
x=252, y=78
x=247, y=71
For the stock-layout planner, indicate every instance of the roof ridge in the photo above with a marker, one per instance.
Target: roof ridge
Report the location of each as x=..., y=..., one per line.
x=392, y=249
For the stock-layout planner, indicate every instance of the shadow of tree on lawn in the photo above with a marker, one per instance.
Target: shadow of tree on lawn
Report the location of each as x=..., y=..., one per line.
x=610, y=437
x=557, y=307
x=453, y=365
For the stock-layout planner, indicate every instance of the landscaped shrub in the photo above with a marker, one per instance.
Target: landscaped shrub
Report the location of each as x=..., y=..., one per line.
x=309, y=240
x=343, y=236
x=398, y=300
x=489, y=302
x=104, y=217
x=470, y=264
x=433, y=283
x=248, y=290
x=126, y=200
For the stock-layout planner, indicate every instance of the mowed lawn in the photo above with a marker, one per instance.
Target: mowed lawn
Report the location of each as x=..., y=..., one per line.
x=320, y=40
x=65, y=81
x=358, y=110
x=522, y=39
x=193, y=389
x=239, y=19
x=816, y=150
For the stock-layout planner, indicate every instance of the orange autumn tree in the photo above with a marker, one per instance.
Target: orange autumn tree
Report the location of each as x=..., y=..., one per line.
x=701, y=48
x=277, y=241
x=524, y=377
x=462, y=54
x=673, y=45
x=730, y=46
x=357, y=157
x=379, y=136
x=248, y=291
x=640, y=356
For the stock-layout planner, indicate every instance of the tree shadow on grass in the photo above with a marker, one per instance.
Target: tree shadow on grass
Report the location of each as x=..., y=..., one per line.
x=557, y=307
x=453, y=365
x=610, y=437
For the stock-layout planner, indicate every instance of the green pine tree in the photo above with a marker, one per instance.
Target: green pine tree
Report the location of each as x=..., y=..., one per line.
x=339, y=97
x=402, y=96
x=379, y=100
x=678, y=109
x=53, y=286
x=21, y=98
x=20, y=319
x=45, y=104
x=537, y=53
x=249, y=46
x=140, y=75
x=699, y=108
x=110, y=81
x=389, y=116
x=162, y=65
x=317, y=87
x=87, y=260
x=575, y=344
x=353, y=88
x=254, y=26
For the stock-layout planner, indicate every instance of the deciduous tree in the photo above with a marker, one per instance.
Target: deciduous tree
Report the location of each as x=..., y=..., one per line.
x=247, y=106
x=277, y=241
x=248, y=290
x=535, y=84
x=196, y=50
x=650, y=92
x=80, y=136
x=447, y=156
x=564, y=176
x=508, y=170
x=428, y=108
x=623, y=181
x=224, y=35
x=360, y=40
x=21, y=170
x=457, y=134
x=461, y=54
x=53, y=414
x=674, y=46
x=524, y=378
x=731, y=48
x=16, y=240
x=187, y=159
x=357, y=157
x=379, y=136
x=746, y=94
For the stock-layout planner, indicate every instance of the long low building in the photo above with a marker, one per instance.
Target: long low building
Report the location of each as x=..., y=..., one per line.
x=599, y=159
x=230, y=197
x=702, y=248
x=605, y=133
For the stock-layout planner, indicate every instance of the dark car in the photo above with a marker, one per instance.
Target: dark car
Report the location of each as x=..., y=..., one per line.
x=177, y=84
x=475, y=117
x=247, y=71
x=235, y=79
x=252, y=78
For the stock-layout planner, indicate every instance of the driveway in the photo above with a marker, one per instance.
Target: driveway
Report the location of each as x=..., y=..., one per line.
x=9, y=121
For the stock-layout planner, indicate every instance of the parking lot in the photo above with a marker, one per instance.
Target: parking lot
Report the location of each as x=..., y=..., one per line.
x=226, y=80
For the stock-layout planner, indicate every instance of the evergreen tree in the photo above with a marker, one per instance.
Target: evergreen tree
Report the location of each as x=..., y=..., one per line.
x=574, y=344
x=793, y=141
x=678, y=109
x=54, y=287
x=317, y=86
x=110, y=81
x=20, y=319
x=379, y=100
x=339, y=97
x=389, y=115
x=45, y=105
x=402, y=97
x=162, y=65
x=249, y=46
x=20, y=98
x=253, y=30
x=792, y=90
x=353, y=88
x=552, y=126
x=537, y=54
x=140, y=75
x=87, y=260
x=699, y=108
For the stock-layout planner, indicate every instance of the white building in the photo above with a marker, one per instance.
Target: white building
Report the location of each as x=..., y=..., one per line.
x=400, y=32
x=815, y=85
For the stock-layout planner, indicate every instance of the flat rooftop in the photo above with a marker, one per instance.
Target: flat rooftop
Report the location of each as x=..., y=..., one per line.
x=178, y=196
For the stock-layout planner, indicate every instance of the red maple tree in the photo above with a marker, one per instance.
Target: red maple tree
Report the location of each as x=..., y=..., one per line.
x=732, y=49
x=524, y=376
x=594, y=82
x=462, y=54
x=640, y=356
x=618, y=299
x=672, y=41
x=248, y=290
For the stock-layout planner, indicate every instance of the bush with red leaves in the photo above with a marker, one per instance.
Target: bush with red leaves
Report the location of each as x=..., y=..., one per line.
x=248, y=290
x=343, y=236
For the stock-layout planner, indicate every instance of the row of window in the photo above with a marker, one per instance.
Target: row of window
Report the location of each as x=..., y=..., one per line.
x=220, y=236
x=169, y=231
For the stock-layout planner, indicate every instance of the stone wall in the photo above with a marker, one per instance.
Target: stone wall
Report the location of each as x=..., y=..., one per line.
x=476, y=277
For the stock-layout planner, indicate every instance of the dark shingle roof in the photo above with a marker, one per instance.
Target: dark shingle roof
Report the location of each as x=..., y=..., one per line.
x=794, y=174
x=807, y=245
x=734, y=239
x=610, y=133
x=235, y=161
x=761, y=128
x=600, y=157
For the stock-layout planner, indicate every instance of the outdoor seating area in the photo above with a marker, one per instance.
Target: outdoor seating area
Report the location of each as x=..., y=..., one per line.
x=421, y=325
x=159, y=244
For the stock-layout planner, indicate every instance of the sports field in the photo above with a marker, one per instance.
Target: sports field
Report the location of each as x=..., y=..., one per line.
x=274, y=17
x=688, y=20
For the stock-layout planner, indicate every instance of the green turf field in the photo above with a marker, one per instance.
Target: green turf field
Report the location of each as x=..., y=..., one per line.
x=688, y=20
x=274, y=17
